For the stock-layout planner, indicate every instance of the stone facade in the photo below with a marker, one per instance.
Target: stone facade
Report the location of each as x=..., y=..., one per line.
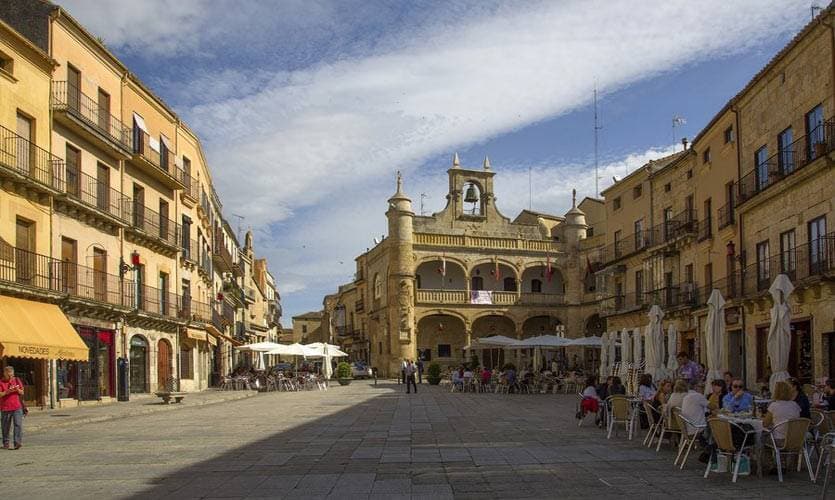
x=757, y=184
x=438, y=282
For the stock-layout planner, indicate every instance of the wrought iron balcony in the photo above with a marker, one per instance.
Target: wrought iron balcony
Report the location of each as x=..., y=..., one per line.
x=92, y=117
x=727, y=215
x=161, y=162
x=22, y=159
x=815, y=259
x=705, y=228
x=96, y=194
x=193, y=310
x=627, y=246
x=153, y=225
x=152, y=300
x=794, y=157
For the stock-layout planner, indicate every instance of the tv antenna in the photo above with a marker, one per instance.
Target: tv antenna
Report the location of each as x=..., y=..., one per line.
x=241, y=219
x=815, y=8
x=597, y=128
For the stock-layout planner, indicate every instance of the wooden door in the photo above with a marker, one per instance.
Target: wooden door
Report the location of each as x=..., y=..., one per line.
x=100, y=274
x=163, y=221
x=25, y=252
x=103, y=187
x=164, y=365
x=104, y=111
x=69, y=258
x=25, y=153
x=73, y=88
x=73, y=160
x=138, y=206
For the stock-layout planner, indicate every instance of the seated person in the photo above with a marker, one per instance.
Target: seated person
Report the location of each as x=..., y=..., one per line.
x=486, y=375
x=781, y=410
x=738, y=399
x=456, y=378
x=591, y=401
x=680, y=390
x=616, y=387
x=646, y=391
x=694, y=406
x=717, y=394
x=830, y=394
x=665, y=390
x=799, y=397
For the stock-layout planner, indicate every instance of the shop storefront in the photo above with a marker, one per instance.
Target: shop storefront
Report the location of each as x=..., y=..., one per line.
x=94, y=379
x=139, y=359
x=31, y=334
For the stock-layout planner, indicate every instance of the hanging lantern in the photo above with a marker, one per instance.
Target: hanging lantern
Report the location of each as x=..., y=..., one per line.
x=471, y=196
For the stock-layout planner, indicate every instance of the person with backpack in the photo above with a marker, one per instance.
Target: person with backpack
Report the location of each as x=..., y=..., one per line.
x=12, y=408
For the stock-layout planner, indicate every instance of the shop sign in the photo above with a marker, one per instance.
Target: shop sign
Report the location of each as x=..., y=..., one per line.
x=32, y=350
x=731, y=316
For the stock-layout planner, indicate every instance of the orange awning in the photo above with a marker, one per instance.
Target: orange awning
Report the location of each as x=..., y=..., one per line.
x=30, y=329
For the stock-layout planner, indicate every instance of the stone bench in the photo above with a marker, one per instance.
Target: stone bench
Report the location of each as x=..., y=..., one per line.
x=168, y=396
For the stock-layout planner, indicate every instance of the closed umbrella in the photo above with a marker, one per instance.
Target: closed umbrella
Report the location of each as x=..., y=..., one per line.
x=637, y=360
x=604, y=354
x=714, y=337
x=672, y=346
x=612, y=347
x=625, y=354
x=779, y=339
x=654, y=346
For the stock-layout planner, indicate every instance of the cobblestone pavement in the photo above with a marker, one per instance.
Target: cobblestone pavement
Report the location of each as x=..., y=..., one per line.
x=362, y=441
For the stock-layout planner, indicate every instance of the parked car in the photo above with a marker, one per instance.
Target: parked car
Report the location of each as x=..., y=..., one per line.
x=361, y=370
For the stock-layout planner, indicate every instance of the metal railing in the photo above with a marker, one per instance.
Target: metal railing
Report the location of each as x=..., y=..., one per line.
x=193, y=310
x=22, y=267
x=192, y=186
x=25, y=158
x=797, y=155
x=96, y=194
x=227, y=313
x=682, y=224
x=627, y=246
x=163, y=161
x=156, y=301
x=192, y=251
x=155, y=225
x=726, y=215
x=221, y=252
x=67, y=97
x=816, y=258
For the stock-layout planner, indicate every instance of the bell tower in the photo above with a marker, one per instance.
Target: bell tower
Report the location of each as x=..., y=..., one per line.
x=400, y=280
x=471, y=192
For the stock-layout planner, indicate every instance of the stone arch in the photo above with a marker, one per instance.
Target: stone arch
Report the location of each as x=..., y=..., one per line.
x=441, y=338
x=493, y=323
x=538, y=272
x=486, y=270
x=539, y=324
x=428, y=275
x=594, y=326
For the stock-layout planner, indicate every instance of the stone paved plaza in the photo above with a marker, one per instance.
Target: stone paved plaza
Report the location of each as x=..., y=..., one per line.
x=362, y=441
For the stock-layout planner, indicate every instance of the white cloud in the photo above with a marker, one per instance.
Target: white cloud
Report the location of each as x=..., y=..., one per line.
x=324, y=140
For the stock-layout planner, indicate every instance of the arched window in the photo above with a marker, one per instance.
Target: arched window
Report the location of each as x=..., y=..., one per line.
x=378, y=287
x=510, y=284
x=536, y=286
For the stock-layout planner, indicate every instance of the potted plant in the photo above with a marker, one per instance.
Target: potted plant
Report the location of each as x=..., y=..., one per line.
x=433, y=374
x=343, y=373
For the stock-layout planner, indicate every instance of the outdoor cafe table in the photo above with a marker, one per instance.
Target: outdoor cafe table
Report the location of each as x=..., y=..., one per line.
x=756, y=424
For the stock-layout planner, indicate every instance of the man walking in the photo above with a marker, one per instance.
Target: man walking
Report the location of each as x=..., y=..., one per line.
x=403, y=366
x=410, y=377
x=420, y=370
x=11, y=407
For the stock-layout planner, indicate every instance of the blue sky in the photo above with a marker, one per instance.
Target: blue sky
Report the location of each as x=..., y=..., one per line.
x=306, y=108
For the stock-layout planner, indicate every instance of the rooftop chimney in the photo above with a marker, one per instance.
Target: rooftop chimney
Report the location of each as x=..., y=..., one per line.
x=684, y=142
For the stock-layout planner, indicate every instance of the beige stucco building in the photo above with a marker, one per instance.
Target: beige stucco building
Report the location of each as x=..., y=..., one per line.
x=109, y=212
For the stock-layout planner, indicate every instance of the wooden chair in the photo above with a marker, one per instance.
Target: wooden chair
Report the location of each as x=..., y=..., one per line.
x=619, y=412
x=794, y=444
x=721, y=431
x=690, y=432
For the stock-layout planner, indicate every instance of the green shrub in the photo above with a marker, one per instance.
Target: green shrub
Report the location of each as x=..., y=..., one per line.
x=474, y=362
x=433, y=374
x=343, y=370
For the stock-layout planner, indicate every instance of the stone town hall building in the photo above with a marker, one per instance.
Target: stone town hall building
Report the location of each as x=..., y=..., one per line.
x=438, y=282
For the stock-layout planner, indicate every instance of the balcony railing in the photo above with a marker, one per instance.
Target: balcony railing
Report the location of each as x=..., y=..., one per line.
x=154, y=225
x=25, y=158
x=192, y=187
x=220, y=251
x=816, y=258
x=227, y=313
x=204, y=262
x=726, y=215
x=190, y=252
x=682, y=224
x=428, y=296
x=156, y=301
x=96, y=194
x=627, y=246
x=30, y=269
x=193, y=310
x=66, y=97
x=163, y=159
x=794, y=157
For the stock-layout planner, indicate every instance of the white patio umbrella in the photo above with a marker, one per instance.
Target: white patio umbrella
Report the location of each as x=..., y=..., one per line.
x=612, y=348
x=261, y=348
x=592, y=341
x=714, y=337
x=544, y=341
x=672, y=346
x=654, y=346
x=779, y=339
x=625, y=354
x=496, y=340
x=604, y=354
x=636, y=348
x=326, y=352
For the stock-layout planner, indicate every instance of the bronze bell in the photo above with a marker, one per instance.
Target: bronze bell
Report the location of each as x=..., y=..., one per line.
x=471, y=196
